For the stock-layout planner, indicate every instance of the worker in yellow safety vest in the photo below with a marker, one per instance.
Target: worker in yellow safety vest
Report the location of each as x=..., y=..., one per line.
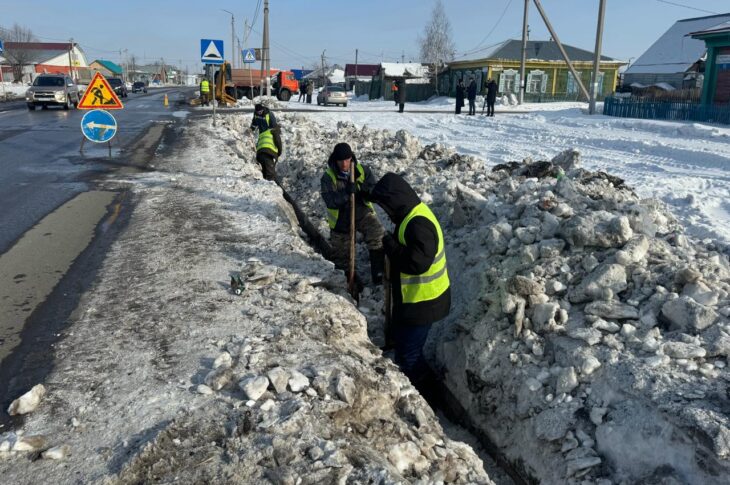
x=418, y=275
x=204, y=92
x=268, y=145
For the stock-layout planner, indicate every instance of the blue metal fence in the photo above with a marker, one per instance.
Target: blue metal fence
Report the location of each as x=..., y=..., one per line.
x=666, y=110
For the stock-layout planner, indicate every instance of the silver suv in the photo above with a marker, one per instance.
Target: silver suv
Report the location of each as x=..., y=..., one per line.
x=52, y=89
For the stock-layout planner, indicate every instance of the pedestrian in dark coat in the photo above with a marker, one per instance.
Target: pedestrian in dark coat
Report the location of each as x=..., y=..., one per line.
x=302, y=90
x=418, y=274
x=459, y=96
x=401, y=95
x=310, y=90
x=491, y=96
x=471, y=93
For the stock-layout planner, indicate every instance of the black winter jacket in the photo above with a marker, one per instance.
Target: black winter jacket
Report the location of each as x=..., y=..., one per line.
x=459, y=95
x=397, y=199
x=336, y=197
x=471, y=91
x=492, y=90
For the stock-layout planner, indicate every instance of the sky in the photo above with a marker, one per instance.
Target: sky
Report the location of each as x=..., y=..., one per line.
x=301, y=30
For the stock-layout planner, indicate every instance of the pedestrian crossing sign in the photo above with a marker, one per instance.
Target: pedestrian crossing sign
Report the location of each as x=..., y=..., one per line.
x=99, y=94
x=249, y=56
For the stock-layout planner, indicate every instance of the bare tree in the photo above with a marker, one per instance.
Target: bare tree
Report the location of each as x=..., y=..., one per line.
x=436, y=45
x=18, y=56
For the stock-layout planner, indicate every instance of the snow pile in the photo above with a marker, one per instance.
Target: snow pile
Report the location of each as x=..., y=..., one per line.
x=269, y=101
x=589, y=338
x=165, y=374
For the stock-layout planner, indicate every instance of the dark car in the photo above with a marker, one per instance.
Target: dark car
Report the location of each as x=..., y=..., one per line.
x=118, y=86
x=139, y=86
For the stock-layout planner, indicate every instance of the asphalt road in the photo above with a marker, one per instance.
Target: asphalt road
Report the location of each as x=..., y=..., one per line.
x=41, y=167
x=55, y=225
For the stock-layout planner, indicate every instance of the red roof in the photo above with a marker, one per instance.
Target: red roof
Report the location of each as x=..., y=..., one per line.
x=40, y=46
x=362, y=69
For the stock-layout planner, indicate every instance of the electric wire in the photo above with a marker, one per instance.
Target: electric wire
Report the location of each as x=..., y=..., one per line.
x=685, y=6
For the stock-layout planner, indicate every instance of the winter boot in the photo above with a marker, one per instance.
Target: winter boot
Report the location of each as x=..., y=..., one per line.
x=377, y=265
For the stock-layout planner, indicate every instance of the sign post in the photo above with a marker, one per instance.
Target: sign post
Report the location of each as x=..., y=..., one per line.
x=211, y=52
x=249, y=57
x=98, y=125
x=2, y=81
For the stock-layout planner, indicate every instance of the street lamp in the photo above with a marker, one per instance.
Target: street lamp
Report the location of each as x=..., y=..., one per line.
x=233, y=45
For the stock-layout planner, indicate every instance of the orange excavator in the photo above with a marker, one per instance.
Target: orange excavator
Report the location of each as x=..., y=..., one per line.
x=233, y=84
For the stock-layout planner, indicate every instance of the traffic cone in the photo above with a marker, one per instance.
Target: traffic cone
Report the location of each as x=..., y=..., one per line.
x=166, y=102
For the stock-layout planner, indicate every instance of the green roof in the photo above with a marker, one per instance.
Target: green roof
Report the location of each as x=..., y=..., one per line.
x=109, y=65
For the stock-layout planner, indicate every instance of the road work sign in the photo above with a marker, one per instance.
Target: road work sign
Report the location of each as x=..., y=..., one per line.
x=249, y=56
x=98, y=126
x=211, y=51
x=99, y=94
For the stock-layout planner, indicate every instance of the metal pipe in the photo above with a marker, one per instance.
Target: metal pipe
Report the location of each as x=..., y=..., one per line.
x=562, y=51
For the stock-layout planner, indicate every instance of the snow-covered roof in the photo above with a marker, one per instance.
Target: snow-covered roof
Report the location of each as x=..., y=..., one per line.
x=337, y=76
x=674, y=51
x=407, y=69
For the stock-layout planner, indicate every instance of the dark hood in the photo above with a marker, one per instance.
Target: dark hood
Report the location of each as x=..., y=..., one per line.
x=260, y=110
x=395, y=196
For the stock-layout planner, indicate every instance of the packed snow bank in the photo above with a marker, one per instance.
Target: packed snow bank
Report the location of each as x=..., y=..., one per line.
x=166, y=375
x=589, y=336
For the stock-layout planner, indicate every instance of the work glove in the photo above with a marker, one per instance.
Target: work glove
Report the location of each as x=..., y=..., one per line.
x=350, y=188
x=390, y=245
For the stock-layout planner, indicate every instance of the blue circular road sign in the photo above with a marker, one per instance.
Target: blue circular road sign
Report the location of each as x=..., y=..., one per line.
x=98, y=126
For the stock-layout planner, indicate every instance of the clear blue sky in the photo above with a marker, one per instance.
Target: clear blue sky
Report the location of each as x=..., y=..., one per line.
x=302, y=29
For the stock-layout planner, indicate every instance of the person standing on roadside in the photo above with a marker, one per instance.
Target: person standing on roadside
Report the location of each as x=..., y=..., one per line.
x=401, y=95
x=204, y=92
x=471, y=94
x=302, y=90
x=268, y=145
x=310, y=90
x=491, y=96
x=459, y=96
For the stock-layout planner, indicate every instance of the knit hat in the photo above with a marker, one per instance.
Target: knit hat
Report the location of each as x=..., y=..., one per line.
x=342, y=151
x=258, y=107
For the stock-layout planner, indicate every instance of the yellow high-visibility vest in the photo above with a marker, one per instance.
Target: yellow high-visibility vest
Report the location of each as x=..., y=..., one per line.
x=334, y=214
x=435, y=280
x=205, y=86
x=266, y=139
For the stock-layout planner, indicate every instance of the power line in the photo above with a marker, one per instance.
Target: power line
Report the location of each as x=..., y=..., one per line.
x=685, y=6
x=491, y=31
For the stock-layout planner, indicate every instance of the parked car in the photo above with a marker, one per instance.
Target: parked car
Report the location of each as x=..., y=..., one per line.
x=118, y=86
x=332, y=95
x=52, y=90
x=139, y=86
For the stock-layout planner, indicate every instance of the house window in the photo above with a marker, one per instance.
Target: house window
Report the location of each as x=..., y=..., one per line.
x=599, y=88
x=509, y=81
x=572, y=84
x=536, y=81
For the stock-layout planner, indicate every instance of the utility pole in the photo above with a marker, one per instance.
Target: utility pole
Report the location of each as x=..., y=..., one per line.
x=248, y=65
x=521, y=94
x=70, y=64
x=354, y=88
x=233, y=45
x=549, y=26
x=266, y=61
x=597, y=58
x=323, y=75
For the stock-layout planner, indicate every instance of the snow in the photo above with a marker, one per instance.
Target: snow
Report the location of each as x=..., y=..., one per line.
x=13, y=90
x=407, y=69
x=684, y=164
x=674, y=51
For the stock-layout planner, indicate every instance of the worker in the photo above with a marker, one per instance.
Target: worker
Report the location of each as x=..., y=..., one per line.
x=418, y=275
x=268, y=145
x=394, y=90
x=204, y=91
x=336, y=189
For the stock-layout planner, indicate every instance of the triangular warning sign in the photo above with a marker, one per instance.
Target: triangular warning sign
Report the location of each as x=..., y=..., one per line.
x=250, y=57
x=211, y=52
x=99, y=94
